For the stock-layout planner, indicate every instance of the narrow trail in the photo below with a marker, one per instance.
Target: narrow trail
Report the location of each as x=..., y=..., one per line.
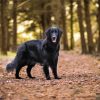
x=80, y=80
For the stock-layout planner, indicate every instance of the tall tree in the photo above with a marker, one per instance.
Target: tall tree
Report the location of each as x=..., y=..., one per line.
x=71, y=25
x=14, y=24
x=98, y=20
x=88, y=26
x=80, y=18
x=4, y=28
x=56, y=5
x=8, y=36
x=63, y=17
x=0, y=27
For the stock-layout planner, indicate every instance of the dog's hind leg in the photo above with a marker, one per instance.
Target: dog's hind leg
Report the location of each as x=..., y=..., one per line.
x=46, y=72
x=29, y=68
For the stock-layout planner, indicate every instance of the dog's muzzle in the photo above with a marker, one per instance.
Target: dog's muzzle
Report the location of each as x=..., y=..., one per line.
x=54, y=38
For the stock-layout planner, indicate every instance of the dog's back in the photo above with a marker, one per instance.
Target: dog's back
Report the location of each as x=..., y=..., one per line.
x=28, y=52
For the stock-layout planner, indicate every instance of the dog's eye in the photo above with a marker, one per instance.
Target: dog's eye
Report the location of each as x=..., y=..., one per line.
x=55, y=31
x=52, y=31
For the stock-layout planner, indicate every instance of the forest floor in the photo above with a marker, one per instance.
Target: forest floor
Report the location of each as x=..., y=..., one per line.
x=80, y=80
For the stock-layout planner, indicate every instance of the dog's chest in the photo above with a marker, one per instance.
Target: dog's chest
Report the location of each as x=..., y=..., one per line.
x=47, y=56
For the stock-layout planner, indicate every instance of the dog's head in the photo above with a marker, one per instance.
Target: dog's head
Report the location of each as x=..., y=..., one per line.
x=53, y=34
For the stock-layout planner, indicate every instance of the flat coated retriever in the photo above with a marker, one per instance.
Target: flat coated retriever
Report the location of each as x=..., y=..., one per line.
x=45, y=52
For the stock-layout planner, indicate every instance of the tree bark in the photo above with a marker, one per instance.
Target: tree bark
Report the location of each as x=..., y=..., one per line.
x=63, y=17
x=88, y=27
x=8, y=38
x=4, y=27
x=80, y=18
x=71, y=25
x=98, y=20
x=14, y=24
x=0, y=28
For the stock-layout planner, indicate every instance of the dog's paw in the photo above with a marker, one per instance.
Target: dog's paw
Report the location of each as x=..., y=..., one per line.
x=19, y=78
x=48, y=78
x=58, y=78
x=32, y=77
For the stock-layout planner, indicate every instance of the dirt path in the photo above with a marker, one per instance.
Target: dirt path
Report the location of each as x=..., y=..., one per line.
x=80, y=81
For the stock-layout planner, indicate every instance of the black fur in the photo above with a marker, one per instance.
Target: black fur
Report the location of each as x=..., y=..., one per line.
x=45, y=52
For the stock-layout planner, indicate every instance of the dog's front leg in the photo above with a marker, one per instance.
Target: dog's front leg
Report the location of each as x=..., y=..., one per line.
x=17, y=72
x=54, y=69
x=46, y=72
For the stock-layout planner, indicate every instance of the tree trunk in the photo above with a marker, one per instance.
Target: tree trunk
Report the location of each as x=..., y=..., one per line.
x=71, y=25
x=14, y=24
x=88, y=27
x=98, y=20
x=63, y=17
x=80, y=18
x=4, y=27
x=0, y=28
x=43, y=22
x=8, y=38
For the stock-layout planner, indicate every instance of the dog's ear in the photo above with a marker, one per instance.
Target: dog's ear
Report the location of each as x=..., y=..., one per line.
x=60, y=31
x=47, y=32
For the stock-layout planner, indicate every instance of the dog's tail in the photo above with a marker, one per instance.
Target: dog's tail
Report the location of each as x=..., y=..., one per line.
x=14, y=64
x=11, y=66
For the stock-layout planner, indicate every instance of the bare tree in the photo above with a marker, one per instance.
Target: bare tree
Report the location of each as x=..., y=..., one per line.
x=98, y=20
x=80, y=18
x=71, y=25
x=88, y=26
x=0, y=27
x=4, y=28
x=14, y=24
x=63, y=17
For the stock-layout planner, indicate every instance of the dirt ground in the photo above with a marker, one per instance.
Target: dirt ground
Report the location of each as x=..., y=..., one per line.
x=80, y=80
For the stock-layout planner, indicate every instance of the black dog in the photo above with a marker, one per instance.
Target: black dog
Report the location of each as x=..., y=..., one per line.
x=45, y=52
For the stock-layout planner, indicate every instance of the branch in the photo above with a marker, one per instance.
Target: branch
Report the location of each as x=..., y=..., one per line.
x=20, y=5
